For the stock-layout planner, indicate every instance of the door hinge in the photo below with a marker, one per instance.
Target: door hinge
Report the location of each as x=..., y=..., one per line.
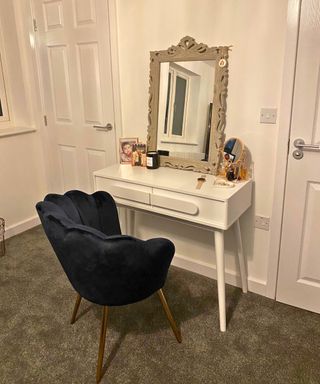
x=288, y=149
x=35, y=25
x=45, y=120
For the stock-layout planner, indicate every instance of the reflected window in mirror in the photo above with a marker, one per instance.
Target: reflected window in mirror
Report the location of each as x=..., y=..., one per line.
x=185, y=108
x=177, y=92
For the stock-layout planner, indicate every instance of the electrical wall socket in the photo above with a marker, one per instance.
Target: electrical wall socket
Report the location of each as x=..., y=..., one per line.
x=262, y=222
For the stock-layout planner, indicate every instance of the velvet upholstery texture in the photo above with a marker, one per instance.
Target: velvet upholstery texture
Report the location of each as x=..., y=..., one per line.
x=104, y=266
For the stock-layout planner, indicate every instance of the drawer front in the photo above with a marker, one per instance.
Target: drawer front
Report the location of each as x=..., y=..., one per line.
x=175, y=204
x=191, y=208
x=124, y=191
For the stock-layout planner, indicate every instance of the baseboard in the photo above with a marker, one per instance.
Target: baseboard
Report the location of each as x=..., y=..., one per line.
x=22, y=226
x=209, y=270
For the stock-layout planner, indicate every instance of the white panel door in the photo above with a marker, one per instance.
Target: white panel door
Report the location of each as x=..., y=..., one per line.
x=73, y=42
x=299, y=268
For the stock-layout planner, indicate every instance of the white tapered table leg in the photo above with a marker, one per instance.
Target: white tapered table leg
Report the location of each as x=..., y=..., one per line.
x=122, y=213
x=219, y=247
x=130, y=222
x=243, y=270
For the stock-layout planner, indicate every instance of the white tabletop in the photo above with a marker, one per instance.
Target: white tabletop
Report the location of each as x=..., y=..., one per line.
x=171, y=179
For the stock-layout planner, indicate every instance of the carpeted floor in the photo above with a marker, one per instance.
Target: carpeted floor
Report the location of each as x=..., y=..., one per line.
x=266, y=342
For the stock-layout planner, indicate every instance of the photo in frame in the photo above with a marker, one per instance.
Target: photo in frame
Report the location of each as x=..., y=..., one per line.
x=126, y=148
x=139, y=155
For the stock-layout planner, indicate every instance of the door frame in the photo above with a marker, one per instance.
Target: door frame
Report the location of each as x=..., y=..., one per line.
x=32, y=49
x=286, y=105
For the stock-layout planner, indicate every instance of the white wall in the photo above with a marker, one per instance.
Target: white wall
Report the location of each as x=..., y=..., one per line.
x=256, y=30
x=22, y=178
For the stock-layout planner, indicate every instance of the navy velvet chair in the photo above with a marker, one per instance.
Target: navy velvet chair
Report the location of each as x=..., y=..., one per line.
x=104, y=266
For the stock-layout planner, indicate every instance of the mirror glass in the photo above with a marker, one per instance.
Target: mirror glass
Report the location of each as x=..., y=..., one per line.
x=185, y=108
x=233, y=149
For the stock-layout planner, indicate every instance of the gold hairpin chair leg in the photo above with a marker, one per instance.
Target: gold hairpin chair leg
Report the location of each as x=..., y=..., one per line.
x=102, y=344
x=75, y=309
x=166, y=308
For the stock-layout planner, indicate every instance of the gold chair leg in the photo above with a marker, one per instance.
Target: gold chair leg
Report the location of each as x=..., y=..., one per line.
x=166, y=308
x=102, y=344
x=75, y=309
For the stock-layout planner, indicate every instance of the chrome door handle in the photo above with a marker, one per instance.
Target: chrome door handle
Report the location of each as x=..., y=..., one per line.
x=107, y=127
x=301, y=146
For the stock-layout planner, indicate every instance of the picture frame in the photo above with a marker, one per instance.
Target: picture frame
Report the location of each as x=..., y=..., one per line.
x=125, y=149
x=139, y=155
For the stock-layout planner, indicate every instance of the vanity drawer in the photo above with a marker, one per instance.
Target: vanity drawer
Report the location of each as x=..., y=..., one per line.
x=174, y=203
x=121, y=190
x=192, y=208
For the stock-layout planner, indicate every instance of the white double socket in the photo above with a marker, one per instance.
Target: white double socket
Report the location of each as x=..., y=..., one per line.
x=262, y=222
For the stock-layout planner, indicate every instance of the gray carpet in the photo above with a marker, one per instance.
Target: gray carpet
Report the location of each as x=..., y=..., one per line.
x=266, y=342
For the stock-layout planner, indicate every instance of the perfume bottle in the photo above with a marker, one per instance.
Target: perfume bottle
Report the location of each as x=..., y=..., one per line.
x=230, y=174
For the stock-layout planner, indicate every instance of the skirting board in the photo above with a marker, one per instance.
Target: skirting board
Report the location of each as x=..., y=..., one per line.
x=209, y=270
x=22, y=226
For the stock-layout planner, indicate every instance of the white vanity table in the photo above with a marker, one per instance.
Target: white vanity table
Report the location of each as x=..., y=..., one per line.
x=171, y=192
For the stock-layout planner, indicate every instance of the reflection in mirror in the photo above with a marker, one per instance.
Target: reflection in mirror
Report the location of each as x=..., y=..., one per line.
x=233, y=150
x=185, y=108
x=234, y=165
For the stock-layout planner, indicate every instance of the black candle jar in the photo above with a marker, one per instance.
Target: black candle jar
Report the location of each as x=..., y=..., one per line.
x=153, y=160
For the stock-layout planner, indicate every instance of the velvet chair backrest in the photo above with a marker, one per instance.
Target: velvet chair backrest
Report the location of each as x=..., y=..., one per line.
x=103, y=266
x=97, y=211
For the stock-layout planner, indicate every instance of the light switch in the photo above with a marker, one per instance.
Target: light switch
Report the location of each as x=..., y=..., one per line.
x=268, y=115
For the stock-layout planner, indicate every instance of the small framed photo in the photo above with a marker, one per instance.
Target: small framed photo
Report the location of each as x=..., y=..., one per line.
x=126, y=148
x=139, y=155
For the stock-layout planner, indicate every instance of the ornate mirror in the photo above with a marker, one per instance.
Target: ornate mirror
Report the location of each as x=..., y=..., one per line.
x=187, y=105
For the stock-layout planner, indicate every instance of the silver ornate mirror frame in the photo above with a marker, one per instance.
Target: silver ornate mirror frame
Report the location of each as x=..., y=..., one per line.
x=189, y=50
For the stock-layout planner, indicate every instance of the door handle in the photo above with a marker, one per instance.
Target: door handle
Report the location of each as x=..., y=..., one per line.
x=302, y=146
x=107, y=127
